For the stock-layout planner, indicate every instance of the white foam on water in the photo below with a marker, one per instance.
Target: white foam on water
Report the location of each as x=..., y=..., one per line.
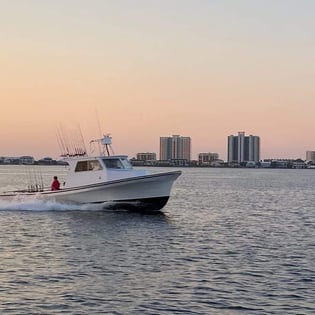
x=37, y=204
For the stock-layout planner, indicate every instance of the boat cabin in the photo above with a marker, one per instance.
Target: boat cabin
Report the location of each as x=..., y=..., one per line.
x=94, y=170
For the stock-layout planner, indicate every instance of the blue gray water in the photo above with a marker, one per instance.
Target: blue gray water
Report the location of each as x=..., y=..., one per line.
x=231, y=241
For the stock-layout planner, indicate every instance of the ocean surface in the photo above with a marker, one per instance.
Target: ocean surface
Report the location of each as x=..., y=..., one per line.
x=230, y=241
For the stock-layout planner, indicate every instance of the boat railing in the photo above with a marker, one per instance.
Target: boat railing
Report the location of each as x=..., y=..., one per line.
x=35, y=188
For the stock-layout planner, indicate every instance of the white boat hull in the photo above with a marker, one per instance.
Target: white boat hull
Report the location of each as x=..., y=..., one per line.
x=142, y=193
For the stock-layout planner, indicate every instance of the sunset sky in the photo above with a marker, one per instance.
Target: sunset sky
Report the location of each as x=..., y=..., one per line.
x=142, y=69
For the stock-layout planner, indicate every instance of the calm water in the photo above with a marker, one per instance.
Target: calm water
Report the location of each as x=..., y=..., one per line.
x=232, y=241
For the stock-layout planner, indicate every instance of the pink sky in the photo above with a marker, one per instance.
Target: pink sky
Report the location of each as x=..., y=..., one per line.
x=204, y=69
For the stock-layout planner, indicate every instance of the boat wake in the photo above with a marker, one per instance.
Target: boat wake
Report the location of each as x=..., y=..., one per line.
x=46, y=205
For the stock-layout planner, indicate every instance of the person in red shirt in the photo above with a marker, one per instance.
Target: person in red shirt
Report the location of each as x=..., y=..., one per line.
x=55, y=185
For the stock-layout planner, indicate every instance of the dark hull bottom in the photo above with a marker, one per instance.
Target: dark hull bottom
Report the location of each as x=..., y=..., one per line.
x=140, y=205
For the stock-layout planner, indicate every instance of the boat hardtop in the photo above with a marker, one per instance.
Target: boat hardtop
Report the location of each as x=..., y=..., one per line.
x=92, y=170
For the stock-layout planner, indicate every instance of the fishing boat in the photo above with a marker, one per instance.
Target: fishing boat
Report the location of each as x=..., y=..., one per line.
x=105, y=179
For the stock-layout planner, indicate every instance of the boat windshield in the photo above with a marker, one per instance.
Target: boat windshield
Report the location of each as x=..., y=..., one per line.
x=117, y=163
x=113, y=163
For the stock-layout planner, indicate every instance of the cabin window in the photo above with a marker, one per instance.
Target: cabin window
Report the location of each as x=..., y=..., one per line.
x=95, y=165
x=91, y=165
x=113, y=163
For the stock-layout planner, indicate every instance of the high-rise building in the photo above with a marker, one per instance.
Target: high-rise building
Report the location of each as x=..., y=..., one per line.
x=175, y=148
x=310, y=155
x=243, y=148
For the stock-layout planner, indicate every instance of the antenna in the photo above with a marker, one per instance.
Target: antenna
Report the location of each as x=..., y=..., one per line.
x=98, y=122
x=99, y=128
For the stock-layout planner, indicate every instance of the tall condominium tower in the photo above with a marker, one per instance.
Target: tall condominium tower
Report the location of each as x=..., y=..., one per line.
x=310, y=155
x=175, y=148
x=243, y=148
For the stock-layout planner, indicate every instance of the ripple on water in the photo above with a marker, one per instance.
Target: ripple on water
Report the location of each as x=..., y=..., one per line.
x=230, y=242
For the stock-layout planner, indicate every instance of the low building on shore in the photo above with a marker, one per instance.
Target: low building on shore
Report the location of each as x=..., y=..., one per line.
x=206, y=159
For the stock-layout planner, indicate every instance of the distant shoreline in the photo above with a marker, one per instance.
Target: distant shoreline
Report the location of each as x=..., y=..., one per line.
x=177, y=166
